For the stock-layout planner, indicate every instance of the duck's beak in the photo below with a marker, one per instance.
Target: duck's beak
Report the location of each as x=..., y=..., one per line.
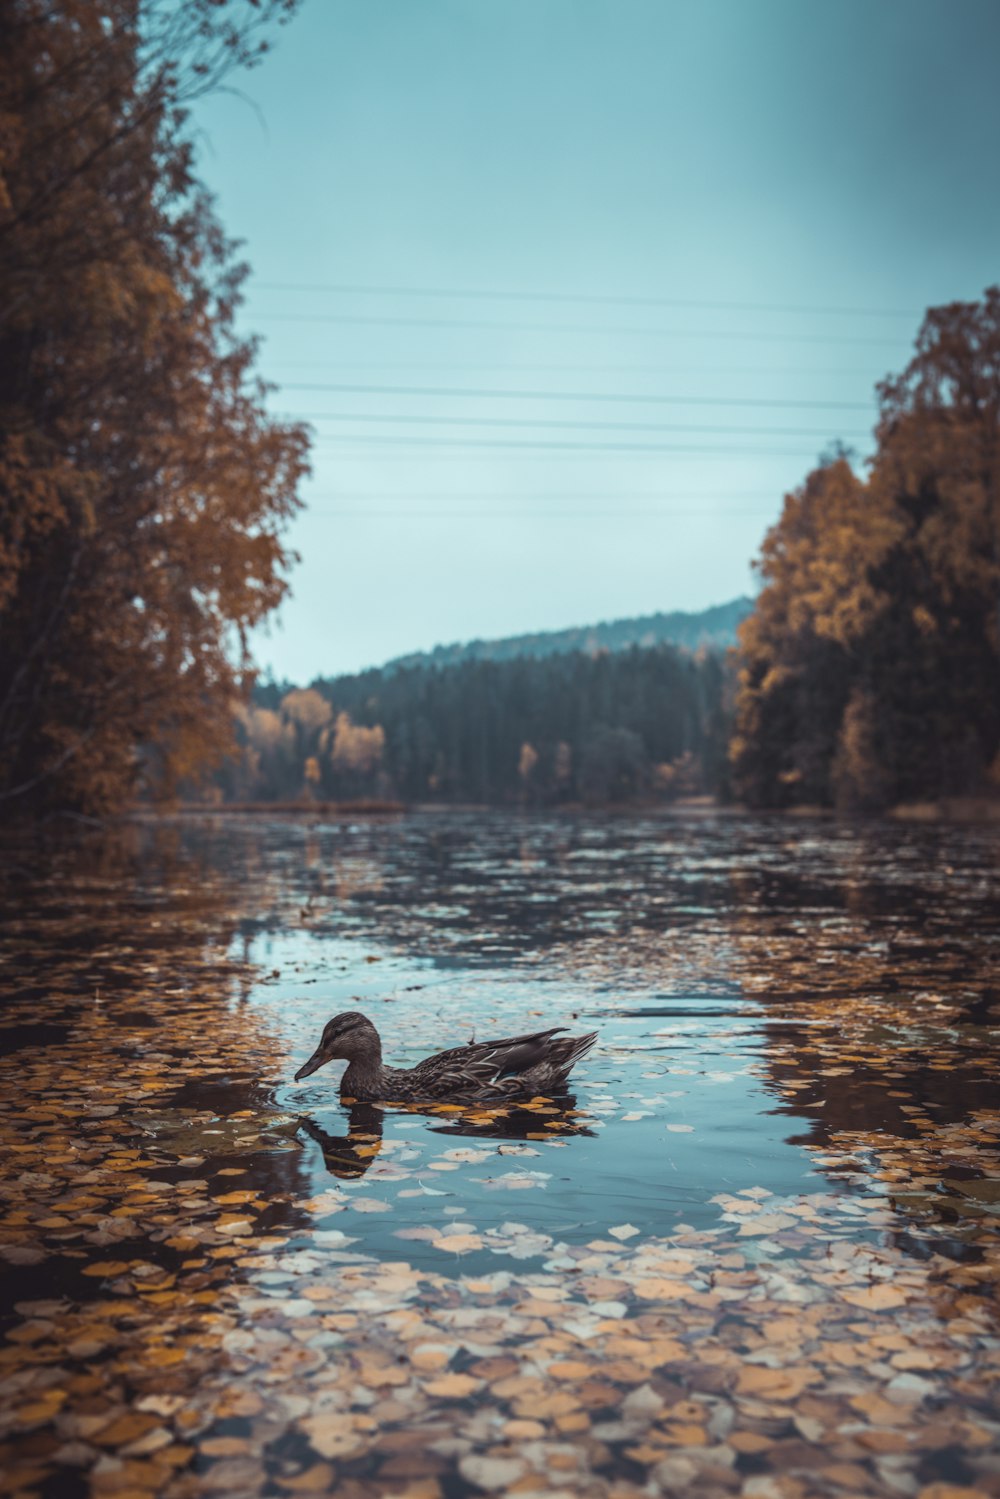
x=318, y=1058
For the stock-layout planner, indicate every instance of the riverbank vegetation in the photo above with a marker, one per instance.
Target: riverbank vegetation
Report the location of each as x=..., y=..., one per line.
x=143, y=486
x=868, y=669
x=548, y=731
x=864, y=678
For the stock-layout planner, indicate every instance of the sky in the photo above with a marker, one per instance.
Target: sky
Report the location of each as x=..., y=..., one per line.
x=574, y=291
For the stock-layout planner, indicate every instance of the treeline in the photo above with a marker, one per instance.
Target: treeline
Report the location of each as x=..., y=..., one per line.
x=870, y=671
x=708, y=629
x=561, y=729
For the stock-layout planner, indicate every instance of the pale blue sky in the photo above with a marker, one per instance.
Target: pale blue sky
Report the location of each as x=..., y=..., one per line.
x=684, y=193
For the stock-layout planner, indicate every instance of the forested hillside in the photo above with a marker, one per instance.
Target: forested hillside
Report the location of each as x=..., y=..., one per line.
x=714, y=628
x=564, y=728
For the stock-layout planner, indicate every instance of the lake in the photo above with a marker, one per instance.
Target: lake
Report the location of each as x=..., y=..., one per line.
x=755, y=1252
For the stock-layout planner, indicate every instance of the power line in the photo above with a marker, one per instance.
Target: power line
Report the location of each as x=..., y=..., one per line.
x=522, y=495
x=588, y=298
x=616, y=397
x=362, y=321
x=575, y=368
x=372, y=443
x=369, y=455
x=551, y=515
x=508, y=422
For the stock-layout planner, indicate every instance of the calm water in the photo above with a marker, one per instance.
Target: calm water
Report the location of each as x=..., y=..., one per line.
x=793, y=1100
x=715, y=956
x=706, y=953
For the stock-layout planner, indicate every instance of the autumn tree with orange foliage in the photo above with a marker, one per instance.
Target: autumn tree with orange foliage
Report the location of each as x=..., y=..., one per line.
x=869, y=667
x=143, y=486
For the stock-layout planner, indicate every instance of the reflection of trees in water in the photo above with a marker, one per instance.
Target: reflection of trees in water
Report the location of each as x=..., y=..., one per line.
x=772, y=903
x=350, y=1155
x=900, y=1094
x=119, y=941
x=141, y=892
x=686, y=896
x=868, y=947
x=870, y=951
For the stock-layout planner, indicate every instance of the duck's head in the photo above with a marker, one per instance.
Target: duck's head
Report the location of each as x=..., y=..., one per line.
x=344, y=1038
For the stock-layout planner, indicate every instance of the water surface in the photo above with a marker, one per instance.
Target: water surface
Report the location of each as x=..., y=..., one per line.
x=793, y=1101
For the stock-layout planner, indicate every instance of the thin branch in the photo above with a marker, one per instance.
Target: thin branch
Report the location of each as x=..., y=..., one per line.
x=50, y=770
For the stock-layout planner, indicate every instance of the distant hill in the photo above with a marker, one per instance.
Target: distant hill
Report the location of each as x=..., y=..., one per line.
x=710, y=627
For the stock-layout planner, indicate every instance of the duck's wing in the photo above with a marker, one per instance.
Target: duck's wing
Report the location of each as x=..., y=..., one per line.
x=505, y=1062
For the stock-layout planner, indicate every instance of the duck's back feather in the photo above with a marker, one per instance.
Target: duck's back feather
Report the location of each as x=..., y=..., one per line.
x=513, y=1064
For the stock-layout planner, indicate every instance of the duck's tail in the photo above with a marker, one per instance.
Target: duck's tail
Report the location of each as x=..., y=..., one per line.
x=566, y=1051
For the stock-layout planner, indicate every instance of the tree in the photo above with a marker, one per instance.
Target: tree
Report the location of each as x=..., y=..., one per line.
x=938, y=468
x=869, y=667
x=143, y=486
x=613, y=766
x=796, y=649
x=355, y=749
x=493, y=731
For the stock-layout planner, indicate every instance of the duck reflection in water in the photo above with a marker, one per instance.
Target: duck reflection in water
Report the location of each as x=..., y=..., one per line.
x=349, y=1156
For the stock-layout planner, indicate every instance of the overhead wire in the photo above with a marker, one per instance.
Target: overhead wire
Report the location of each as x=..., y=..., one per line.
x=608, y=494
x=371, y=444
x=458, y=392
x=507, y=422
x=355, y=504
x=354, y=445
x=575, y=368
x=537, y=515
x=585, y=298
x=344, y=319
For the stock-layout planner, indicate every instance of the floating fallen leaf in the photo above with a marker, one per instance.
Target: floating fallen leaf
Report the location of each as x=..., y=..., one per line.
x=658, y=1288
x=492, y=1473
x=108, y=1268
x=765, y=1223
x=874, y=1298
x=458, y=1243
x=775, y=1384
x=453, y=1386
x=333, y=1434
x=624, y=1231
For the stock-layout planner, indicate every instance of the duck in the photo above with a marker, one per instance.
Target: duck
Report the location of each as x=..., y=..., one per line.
x=516, y=1067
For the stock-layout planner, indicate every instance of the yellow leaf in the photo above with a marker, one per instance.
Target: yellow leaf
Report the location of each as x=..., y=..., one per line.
x=108, y=1267
x=165, y=1358
x=658, y=1289
x=127, y=1428
x=225, y=1446
x=453, y=1386
x=458, y=1243
x=875, y=1298
x=775, y=1384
